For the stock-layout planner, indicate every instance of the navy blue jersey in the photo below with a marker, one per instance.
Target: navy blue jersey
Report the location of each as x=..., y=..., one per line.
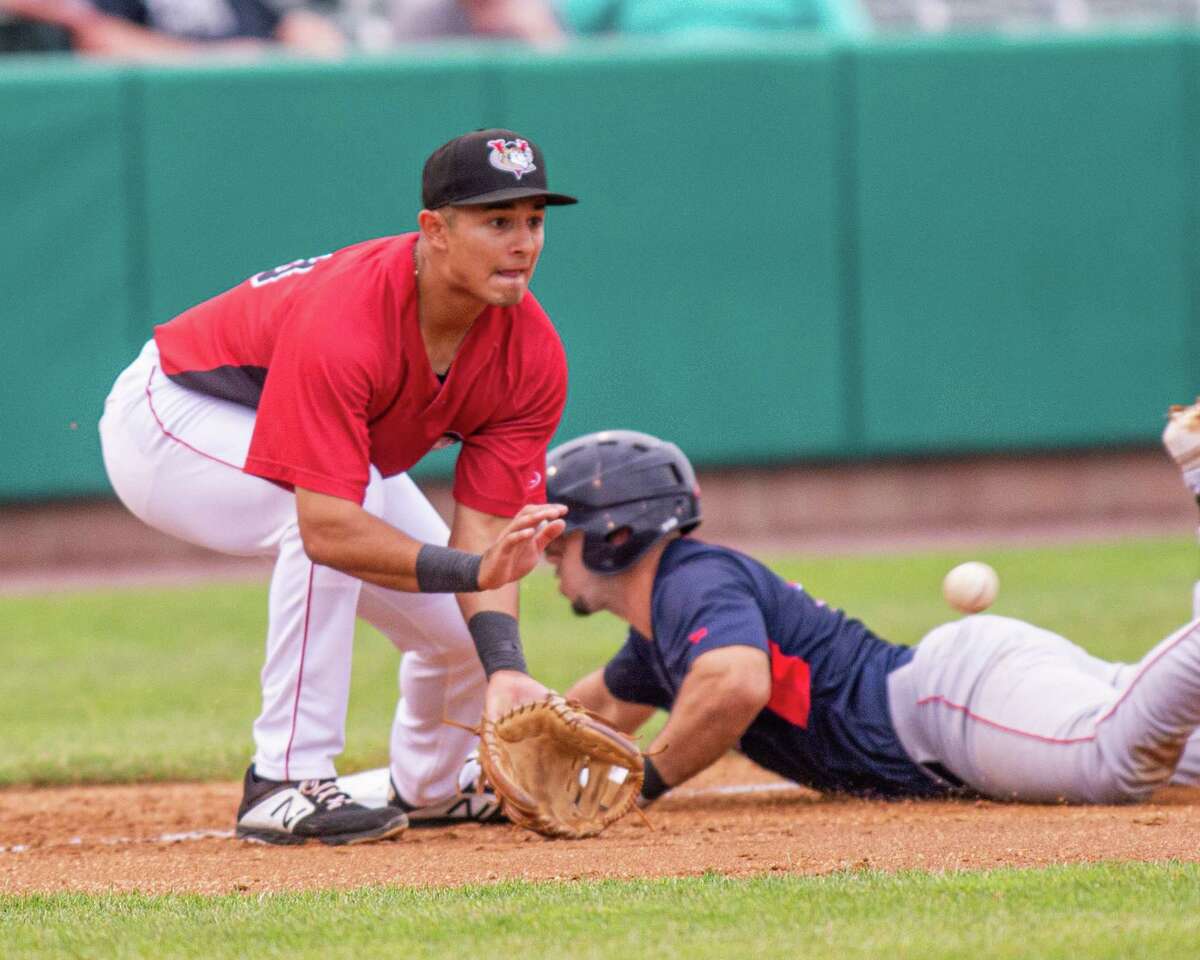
x=826, y=725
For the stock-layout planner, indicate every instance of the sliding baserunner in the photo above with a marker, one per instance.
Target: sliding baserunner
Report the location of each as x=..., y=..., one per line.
x=744, y=660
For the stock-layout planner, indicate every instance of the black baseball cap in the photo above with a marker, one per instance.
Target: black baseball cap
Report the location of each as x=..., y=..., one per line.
x=487, y=166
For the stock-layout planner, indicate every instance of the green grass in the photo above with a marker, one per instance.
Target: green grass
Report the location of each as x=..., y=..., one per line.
x=163, y=684
x=1100, y=911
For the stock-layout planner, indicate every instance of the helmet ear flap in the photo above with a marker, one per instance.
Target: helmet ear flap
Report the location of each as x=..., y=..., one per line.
x=612, y=550
x=618, y=537
x=596, y=555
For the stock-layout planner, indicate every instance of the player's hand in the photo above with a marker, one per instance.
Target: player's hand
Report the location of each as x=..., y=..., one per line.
x=519, y=547
x=511, y=688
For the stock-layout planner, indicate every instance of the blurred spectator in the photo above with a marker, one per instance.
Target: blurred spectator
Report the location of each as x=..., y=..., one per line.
x=677, y=17
x=547, y=21
x=18, y=35
x=533, y=21
x=180, y=29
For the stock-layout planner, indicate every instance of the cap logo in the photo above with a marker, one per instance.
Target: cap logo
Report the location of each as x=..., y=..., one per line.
x=511, y=156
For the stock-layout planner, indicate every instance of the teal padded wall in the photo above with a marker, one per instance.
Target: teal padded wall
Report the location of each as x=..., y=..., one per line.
x=1024, y=216
x=249, y=168
x=1191, y=203
x=696, y=285
x=65, y=271
x=786, y=251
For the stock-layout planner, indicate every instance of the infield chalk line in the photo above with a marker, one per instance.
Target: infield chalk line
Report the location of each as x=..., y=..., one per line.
x=163, y=838
x=732, y=790
x=370, y=788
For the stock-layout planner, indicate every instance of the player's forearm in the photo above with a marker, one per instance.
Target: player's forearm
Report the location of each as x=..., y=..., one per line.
x=594, y=694
x=370, y=549
x=400, y=582
x=491, y=554
x=490, y=615
x=474, y=532
x=504, y=600
x=435, y=570
x=341, y=534
x=704, y=726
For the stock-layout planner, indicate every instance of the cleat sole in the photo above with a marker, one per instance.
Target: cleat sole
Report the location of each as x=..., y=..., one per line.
x=349, y=839
x=278, y=839
x=283, y=839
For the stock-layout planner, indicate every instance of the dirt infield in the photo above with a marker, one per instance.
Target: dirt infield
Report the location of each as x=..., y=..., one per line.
x=158, y=839
x=178, y=837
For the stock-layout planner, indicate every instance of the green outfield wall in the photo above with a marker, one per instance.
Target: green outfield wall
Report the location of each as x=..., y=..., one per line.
x=793, y=251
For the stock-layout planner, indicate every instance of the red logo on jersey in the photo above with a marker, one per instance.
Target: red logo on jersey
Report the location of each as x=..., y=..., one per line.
x=790, y=686
x=698, y=635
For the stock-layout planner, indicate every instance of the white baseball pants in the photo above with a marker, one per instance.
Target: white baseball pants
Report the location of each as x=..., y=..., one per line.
x=1020, y=713
x=174, y=457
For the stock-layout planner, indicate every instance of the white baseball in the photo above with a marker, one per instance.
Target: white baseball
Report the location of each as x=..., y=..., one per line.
x=971, y=587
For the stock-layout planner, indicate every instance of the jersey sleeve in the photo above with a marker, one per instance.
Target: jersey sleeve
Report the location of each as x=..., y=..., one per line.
x=706, y=605
x=311, y=430
x=629, y=675
x=502, y=466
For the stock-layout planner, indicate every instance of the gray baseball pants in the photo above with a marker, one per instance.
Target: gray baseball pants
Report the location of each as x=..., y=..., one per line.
x=1020, y=713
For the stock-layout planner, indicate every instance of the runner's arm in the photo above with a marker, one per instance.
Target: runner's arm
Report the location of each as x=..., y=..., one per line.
x=725, y=689
x=594, y=694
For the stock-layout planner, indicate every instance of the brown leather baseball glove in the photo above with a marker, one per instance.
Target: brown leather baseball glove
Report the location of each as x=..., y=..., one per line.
x=559, y=769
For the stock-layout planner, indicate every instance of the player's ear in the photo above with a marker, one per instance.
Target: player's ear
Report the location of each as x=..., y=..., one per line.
x=435, y=226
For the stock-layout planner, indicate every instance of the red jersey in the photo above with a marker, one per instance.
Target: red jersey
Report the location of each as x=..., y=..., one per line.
x=329, y=351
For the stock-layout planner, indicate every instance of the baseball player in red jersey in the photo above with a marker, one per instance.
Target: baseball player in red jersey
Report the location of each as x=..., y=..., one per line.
x=279, y=419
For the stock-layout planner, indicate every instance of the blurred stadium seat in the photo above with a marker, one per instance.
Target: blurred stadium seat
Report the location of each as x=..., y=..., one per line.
x=939, y=16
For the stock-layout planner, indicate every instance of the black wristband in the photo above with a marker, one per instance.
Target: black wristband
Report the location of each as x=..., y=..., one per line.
x=497, y=641
x=653, y=785
x=446, y=570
